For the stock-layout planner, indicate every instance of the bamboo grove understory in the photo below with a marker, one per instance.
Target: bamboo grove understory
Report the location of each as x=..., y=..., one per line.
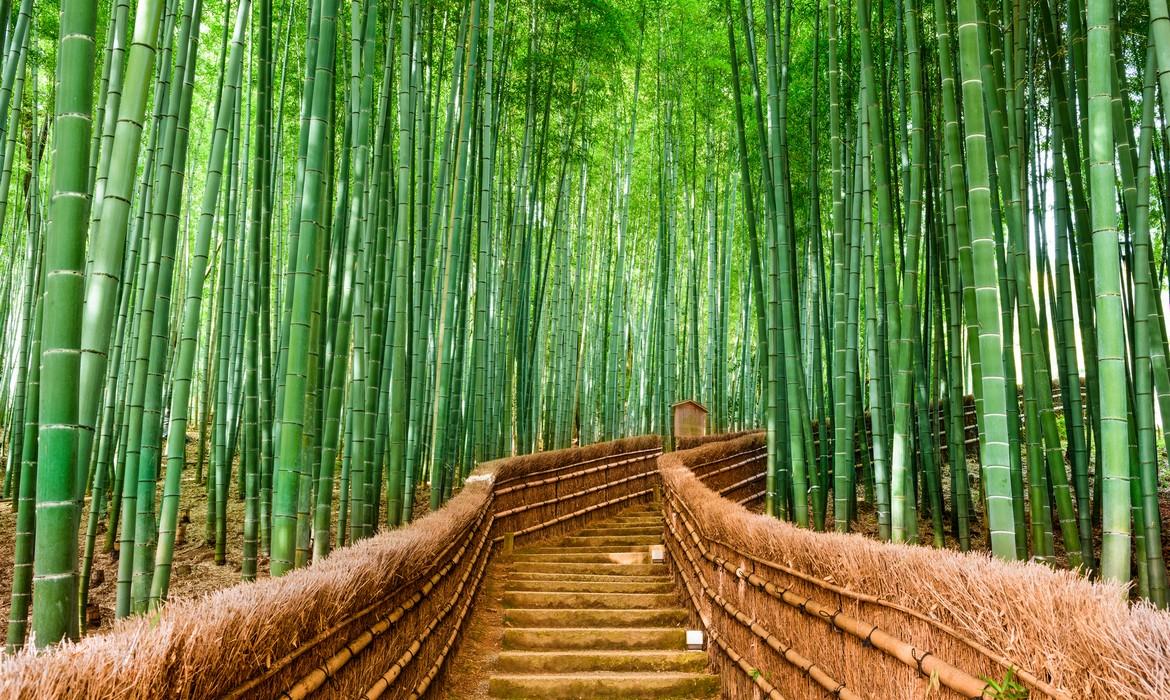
x=324, y=258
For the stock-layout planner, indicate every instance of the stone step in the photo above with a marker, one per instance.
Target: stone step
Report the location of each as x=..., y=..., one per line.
x=620, y=529
x=656, y=524
x=578, y=661
x=588, y=599
x=554, y=566
x=585, y=557
x=590, y=586
x=601, y=578
x=647, y=527
x=597, y=638
x=605, y=685
x=585, y=549
x=612, y=540
x=593, y=617
x=588, y=616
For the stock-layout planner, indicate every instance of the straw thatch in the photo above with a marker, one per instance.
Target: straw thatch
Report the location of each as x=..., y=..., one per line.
x=549, y=493
x=689, y=443
x=379, y=618
x=212, y=645
x=790, y=613
x=1064, y=636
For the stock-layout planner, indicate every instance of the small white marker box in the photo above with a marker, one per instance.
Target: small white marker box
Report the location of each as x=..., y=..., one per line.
x=695, y=640
x=657, y=554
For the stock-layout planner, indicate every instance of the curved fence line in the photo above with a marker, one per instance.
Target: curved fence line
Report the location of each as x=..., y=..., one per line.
x=830, y=615
x=378, y=619
x=789, y=613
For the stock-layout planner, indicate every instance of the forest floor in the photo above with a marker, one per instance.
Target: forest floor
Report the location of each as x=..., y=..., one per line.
x=194, y=571
x=481, y=638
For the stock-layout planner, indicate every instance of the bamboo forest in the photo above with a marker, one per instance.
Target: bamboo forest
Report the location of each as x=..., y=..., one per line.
x=833, y=330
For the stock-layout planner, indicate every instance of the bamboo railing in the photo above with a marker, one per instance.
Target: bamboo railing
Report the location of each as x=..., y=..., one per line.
x=379, y=619
x=791, y=613
x=529, y=497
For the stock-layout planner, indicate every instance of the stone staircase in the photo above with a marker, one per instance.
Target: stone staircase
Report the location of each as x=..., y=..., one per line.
x=592, y=617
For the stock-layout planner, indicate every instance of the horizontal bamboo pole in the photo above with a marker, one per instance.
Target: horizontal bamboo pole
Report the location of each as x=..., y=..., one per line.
x=560, y=477
x=387, y=679
x=335, y=663
x=755, y=451
x=793, y=657
x=504, y=486
x=575, y=494
x=741, y=483
x=752, y=498
x=586, y=510
x=926, y=663
x=732, y=467
x=244, y=690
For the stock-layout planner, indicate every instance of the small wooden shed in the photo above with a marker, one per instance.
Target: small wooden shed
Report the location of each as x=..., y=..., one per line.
x=690, y=418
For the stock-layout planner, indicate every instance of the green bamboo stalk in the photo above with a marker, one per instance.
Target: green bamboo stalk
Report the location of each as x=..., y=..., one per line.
x=994, y=446
x=54, y=584
x=1114, y=465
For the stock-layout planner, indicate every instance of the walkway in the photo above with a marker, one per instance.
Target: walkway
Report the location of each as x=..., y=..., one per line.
x=591, y=617
x=440, y=609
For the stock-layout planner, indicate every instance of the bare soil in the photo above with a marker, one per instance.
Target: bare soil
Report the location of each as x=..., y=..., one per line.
x=194, y=572
x=481, y=639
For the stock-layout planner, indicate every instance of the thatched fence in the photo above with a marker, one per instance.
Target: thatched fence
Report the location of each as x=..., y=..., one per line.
x=789, y=613
x=378, y=619
x=796, y=614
